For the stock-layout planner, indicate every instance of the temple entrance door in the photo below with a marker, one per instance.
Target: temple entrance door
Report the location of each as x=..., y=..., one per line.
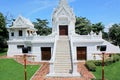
x=81, y=53
x=63, y=30
x=46, y=53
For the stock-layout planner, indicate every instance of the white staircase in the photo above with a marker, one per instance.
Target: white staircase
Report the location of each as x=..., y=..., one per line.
x=62, y=63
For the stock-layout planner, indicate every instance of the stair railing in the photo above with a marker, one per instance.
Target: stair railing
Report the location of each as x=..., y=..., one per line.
x=53, y=56
x=74, y=61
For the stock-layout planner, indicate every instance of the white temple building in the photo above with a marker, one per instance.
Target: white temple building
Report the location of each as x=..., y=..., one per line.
x=63, y=48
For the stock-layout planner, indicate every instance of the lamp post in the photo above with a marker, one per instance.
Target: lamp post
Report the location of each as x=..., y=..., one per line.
x=103, y=49
x=25, y=51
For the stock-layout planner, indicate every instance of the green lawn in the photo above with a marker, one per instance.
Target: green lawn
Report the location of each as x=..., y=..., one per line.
x=11, y=70
x=112, y=72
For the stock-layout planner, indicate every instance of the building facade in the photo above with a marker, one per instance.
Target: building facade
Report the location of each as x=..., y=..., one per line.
x=63, y=48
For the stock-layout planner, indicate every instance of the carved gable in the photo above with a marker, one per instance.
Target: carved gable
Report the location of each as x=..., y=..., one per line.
x=22, y=22
x=63, y=9
x=63, y=15
x=63, y=12
x=19, y=22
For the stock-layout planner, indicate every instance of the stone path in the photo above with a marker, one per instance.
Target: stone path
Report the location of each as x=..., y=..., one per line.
x=41, y=73
x=4, y=57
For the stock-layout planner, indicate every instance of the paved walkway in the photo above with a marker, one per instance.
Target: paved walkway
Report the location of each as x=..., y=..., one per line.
x=4, y=57
x=44, y=70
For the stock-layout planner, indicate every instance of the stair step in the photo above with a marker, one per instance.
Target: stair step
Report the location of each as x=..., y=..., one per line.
x=65, y=61
x=62, y=53
x=62, y=71
x=63, y=56
x=62, y=64
x=62, y=61
x=62, y=68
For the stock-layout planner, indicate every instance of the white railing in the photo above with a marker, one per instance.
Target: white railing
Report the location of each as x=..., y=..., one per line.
x=71, y=45
x=86, y=37
x=35, y=38
x=29, y=38
x=54, y=50
x=53, y=56
x=74, y=60
x=44, y=38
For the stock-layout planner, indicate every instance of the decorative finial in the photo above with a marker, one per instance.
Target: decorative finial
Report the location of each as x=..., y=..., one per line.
x=63, y=2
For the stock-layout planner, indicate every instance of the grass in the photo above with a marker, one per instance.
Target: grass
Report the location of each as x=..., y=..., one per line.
x=4, y=52
x=11, y=70
x=111, y=72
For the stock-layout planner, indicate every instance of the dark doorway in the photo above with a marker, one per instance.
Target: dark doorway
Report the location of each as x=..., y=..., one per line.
x=63, y=30
x=81, y=53
x=46, y=53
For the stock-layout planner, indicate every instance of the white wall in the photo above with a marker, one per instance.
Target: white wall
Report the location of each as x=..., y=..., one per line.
x=36, y=50
x=13, y=50
x=91, y=48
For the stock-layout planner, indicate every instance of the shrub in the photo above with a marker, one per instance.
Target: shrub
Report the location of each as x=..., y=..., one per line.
x=98, y=63
x=112, y=59
x=116, y=58
x=90, y=65
x=108, y=61
x=118, y=54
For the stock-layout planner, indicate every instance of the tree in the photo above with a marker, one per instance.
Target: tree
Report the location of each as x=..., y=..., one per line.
x=3, y=32
x=97, y=27
x=83, y=25
x=114, y=34
x=41, y=26
x=105, y=36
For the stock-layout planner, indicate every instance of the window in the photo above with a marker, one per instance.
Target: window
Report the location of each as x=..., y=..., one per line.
x=12, y=33
x=20, y=46
x=28, y=32
x=98, y=48
x=20, y=33
x=29, y=48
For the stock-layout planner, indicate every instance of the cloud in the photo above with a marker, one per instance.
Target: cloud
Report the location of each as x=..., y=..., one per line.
x=39, y=5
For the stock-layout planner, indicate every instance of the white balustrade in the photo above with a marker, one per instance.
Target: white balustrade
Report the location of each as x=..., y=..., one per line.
x=53, y=56
x=76, y=38
x=74, y=61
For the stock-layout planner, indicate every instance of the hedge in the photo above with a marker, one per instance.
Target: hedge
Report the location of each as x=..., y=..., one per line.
x=98, y=63
x=91, y=66
x=116, y=58
x=108, y=61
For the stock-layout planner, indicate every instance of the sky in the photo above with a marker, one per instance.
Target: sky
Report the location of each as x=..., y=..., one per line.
x=105, y=11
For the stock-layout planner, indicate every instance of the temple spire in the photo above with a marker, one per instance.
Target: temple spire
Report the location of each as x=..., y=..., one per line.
x=63, y=2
